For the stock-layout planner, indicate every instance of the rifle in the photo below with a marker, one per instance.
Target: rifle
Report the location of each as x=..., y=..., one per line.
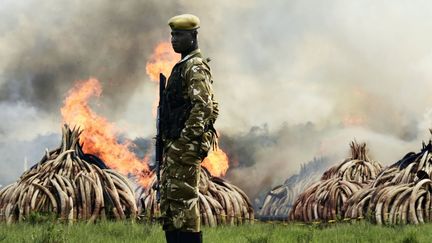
x=159, y=128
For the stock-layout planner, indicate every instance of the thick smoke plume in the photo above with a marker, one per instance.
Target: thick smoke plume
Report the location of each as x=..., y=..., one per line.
x=295, y=79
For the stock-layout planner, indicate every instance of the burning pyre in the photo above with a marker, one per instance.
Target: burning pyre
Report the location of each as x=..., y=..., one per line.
x=71, y=184
x=77, y=185
x=325, y=199
x=400, y=194
x=280, y=199
x=99, y=136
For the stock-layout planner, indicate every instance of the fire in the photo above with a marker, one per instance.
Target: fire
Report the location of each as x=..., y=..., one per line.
x=100, y=136
x=162, y=60
x=352, y=120
x=216, y=162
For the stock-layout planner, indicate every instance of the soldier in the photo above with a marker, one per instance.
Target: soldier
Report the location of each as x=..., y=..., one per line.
x=189, y=113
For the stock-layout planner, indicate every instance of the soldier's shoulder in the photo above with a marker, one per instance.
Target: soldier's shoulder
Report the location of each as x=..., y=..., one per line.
x=196, y=61
x=196, y=65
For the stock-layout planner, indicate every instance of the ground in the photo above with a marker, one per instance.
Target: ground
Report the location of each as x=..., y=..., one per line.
x=258, y=232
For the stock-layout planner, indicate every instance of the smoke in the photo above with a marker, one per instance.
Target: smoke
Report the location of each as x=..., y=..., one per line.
x=272, y=157
x=318, y=74
x=18, y=156
x=52, y=44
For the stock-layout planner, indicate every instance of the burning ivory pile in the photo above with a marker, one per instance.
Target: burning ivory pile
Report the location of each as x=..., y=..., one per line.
x=400, y=194
x=325, y=199
x=280, y=199
x=220, y=202
x=70, y=184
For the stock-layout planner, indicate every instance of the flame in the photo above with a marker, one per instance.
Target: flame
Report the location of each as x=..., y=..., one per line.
x=162, y=60
x=216, y=162
x=353, y=120
x=100, y=136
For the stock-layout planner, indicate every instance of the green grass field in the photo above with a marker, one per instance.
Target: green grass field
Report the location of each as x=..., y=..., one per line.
x=259, y=232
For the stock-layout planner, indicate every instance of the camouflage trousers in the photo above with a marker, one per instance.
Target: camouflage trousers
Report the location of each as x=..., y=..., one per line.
x=179, y=187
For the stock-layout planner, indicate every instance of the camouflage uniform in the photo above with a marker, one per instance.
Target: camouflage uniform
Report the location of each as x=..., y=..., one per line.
x=188, y=136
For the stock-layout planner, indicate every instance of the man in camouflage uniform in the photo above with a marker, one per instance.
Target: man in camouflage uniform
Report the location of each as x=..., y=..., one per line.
x=189, y=113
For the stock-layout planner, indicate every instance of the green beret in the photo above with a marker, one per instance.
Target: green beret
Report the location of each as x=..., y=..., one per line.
x=184, y=22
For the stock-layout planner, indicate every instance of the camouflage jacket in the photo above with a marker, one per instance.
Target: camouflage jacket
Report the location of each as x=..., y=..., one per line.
x=197, y=79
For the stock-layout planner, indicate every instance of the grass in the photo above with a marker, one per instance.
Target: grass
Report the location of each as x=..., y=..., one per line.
x=259, y=232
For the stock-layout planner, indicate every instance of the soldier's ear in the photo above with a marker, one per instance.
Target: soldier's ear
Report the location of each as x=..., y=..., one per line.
x=194, y=34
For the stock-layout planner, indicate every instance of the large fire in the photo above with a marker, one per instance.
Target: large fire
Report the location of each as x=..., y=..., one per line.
x=216, y=162
x=99, y=136
x=353, y=120
x=163, y=60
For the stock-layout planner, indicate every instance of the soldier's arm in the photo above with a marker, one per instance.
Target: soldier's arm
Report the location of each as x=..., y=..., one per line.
x=215, y=112
x=201, y=95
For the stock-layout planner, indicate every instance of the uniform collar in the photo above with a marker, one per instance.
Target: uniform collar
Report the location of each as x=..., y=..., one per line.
x=190, y=55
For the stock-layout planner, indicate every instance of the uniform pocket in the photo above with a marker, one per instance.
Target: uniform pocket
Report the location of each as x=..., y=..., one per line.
x=183, y=183
x=191, y=154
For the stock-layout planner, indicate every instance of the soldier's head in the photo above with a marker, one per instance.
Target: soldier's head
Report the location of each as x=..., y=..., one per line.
x=184, y=33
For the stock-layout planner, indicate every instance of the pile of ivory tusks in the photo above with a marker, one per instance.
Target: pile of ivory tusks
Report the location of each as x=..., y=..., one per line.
x=278, y=202
x=400, y=194
x=325, y=199
x=357, y=168
x=219, y=201
x=65, y=184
